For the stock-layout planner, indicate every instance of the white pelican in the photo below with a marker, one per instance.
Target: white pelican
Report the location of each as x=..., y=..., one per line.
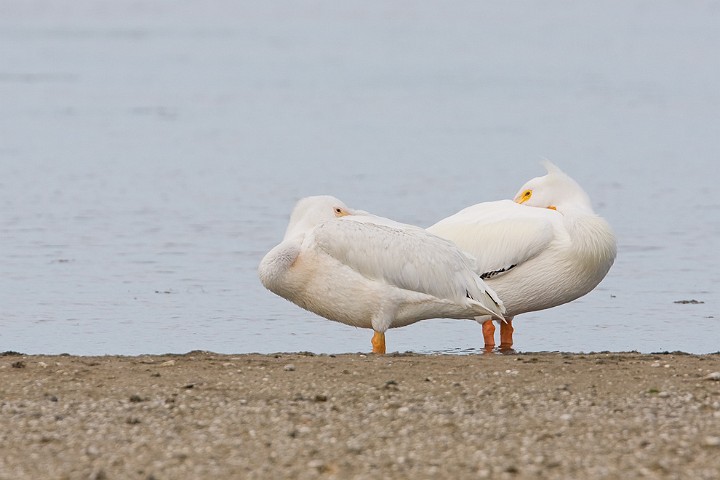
x=367, y=271
x=534, y=258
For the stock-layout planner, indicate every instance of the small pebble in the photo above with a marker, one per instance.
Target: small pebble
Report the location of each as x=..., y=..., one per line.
x=713, y=376
x=318, y=464
x=711, y=441
x=289, y=367
x=391, y=385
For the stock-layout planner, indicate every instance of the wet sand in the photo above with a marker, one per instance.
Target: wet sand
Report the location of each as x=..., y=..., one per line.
x=204, y=415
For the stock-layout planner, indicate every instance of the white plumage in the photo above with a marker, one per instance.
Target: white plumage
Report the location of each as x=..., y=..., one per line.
x=367, y=271
x=545, y=248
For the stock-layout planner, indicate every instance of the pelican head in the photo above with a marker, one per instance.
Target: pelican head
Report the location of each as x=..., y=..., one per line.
x=556, y=191
x=311, y=211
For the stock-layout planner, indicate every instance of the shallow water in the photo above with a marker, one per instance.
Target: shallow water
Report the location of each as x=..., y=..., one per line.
x=150, y=155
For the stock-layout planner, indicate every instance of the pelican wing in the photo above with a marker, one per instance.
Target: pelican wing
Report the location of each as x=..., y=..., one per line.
x=500, y=235
x=404, y=256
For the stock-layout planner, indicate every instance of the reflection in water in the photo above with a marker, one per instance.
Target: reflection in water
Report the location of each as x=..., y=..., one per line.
x=483, y=350
x=137, y=196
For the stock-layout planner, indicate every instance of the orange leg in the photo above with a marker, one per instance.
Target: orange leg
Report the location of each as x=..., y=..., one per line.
x=378, y=343
x=506, y=333
x=488, y=329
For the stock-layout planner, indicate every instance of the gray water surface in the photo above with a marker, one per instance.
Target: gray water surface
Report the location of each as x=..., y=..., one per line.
x=150, y=154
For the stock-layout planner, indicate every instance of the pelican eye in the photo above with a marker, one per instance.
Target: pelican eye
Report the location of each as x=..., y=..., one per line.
x=524, y=196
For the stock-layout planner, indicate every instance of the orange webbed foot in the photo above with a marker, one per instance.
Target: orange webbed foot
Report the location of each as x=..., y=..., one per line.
x=378, y=343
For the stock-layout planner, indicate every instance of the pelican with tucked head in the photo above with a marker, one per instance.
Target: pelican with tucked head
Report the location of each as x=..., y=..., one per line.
x=358, y=269
x=545, y=248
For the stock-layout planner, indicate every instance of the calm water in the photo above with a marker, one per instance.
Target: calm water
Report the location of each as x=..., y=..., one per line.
x=150, y=154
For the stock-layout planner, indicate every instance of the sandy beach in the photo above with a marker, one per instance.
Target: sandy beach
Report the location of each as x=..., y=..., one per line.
x=204, y=415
